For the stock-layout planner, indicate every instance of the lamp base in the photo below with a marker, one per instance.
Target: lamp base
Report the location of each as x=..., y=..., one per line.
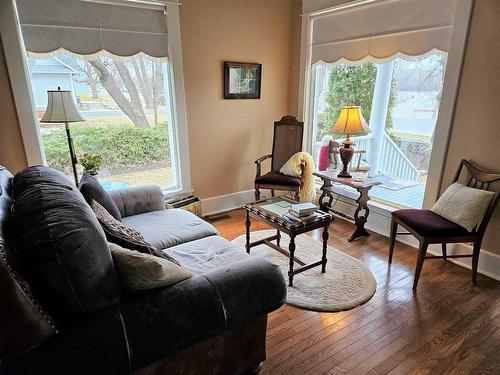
x=346, y=154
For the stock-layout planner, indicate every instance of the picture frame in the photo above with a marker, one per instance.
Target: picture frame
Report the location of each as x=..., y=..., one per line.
x=242, y=80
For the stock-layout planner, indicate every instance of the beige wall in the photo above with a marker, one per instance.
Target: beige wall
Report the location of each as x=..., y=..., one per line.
x=12, y=153
x=226, y=136
x=475, y=133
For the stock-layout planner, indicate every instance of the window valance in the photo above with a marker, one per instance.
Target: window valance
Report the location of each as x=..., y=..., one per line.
x=382, y=30
x=89, y=28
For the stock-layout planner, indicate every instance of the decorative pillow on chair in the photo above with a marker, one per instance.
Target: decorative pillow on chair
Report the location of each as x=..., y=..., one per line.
x=91, y=189
x=140, y=271
x=119, y=233
x=463, y=205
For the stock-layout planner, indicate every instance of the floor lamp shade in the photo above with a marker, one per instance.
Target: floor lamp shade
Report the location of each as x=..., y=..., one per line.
x=61, y=107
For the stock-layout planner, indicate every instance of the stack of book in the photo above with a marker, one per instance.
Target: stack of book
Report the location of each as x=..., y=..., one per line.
x=302, y=211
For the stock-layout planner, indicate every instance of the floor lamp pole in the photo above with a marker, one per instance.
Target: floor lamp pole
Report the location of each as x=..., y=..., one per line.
x=74, y=160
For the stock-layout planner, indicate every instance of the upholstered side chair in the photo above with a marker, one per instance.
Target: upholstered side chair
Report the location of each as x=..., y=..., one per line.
x=287, y=141
x=430, y=228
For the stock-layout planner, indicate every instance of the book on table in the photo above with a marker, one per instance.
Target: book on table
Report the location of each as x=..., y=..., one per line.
x=302, y=209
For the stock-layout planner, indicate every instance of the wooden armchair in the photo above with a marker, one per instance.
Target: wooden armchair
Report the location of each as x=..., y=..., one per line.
x=430, y=228
x=287, y=141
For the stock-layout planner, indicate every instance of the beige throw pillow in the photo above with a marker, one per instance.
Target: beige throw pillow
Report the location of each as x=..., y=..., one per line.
x=140, y=271
x=463, y=205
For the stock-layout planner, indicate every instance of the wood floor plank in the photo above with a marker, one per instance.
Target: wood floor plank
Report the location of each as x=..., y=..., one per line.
x=447, y=327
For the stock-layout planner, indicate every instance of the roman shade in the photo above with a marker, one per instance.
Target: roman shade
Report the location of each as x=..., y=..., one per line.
x=90, y=27
x=382, y=29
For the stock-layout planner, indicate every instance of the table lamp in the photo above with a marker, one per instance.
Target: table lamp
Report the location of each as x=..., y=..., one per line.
x=350, y=122
x=61, y=108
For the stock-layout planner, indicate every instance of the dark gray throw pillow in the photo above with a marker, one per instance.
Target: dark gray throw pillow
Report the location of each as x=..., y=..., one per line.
x=129, y=238
x=91, y=189
x=61, y=245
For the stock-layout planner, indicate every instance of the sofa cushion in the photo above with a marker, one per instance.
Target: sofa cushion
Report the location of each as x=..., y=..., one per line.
x=167, y=228
x=206, y=254
x=91, y=189
x=61, y=244
x=277, y=178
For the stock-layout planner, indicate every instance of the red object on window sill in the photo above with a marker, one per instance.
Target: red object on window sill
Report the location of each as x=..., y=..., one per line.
x=323, y=158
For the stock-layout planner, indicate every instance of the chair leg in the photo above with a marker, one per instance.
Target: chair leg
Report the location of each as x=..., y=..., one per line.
x=422, y=250
x=394, y=228
x=475, y=260
x=272, y=193
x=257, y=194
x=443, y=246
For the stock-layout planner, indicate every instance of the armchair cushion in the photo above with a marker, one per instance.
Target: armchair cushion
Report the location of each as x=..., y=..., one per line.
x=277, y=178
x=429, y=224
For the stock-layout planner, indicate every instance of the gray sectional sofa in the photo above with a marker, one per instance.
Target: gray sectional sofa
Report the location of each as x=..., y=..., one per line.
x=55, y=263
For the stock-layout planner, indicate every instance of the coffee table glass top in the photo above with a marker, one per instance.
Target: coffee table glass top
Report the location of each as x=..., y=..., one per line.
x=276, y=209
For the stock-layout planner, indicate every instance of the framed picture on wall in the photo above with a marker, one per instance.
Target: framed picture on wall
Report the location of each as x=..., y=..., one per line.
x=242, y=80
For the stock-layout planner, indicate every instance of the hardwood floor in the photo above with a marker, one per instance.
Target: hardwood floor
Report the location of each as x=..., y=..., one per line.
x=447, y=327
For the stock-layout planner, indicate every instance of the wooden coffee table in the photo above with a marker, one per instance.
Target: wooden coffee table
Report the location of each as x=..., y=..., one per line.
x=270, y=211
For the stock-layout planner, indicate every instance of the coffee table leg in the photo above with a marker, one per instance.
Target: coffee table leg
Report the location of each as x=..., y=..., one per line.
x=291, y=249
x=247, y=226
x=325, y=244
x=278, y=237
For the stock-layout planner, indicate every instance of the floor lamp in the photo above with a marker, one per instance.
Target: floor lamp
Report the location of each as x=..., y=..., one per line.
x=61, y=108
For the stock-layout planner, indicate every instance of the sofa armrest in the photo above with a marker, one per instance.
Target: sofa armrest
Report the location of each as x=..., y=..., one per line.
x=137, y=200
x=249, y=288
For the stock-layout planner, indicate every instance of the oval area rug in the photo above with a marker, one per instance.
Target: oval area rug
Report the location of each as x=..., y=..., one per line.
x=346, y=284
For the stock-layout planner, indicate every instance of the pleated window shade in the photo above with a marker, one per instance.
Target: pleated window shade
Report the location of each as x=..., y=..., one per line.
x=383, y=30
x=88, y=28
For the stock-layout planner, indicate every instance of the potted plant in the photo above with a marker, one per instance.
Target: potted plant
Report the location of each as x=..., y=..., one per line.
x=91, y=163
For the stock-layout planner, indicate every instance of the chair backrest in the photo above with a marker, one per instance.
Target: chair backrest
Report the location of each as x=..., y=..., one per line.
x=287, y=140
x=480, y=179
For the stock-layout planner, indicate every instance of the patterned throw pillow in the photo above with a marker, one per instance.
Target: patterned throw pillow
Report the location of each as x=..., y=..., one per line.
x=129, y=238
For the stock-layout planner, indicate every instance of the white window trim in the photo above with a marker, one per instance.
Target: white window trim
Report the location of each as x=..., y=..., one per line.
x=17, y=66
x=449, y=94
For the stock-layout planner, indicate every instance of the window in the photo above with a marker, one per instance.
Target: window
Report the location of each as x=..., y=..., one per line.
x=400, y=101
x=126, y=106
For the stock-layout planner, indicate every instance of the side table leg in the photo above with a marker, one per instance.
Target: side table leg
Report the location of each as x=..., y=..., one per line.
x=278, y=237
x=291, y=249
x=360, y=220
x=247, y=226
x=325, y=244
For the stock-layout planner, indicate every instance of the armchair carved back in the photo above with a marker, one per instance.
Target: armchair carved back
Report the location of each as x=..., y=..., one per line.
x=287, y=140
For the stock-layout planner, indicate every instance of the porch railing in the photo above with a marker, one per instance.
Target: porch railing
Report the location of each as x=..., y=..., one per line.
x=394, y=163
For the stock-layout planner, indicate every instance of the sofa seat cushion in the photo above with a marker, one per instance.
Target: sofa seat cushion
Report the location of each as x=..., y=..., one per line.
x=429, y=224
x=206, y=254
x=277, y=178
x=167, y=228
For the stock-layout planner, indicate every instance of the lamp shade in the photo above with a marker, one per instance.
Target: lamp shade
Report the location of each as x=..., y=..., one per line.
x=351, y=121
x=61, y=107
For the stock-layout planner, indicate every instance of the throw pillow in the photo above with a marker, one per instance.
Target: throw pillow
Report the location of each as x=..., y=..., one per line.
x=120, y=234
x=139, y=271
x=463, y=205
x=91, y=189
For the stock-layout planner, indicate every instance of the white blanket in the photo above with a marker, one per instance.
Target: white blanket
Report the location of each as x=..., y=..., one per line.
x=293, y=167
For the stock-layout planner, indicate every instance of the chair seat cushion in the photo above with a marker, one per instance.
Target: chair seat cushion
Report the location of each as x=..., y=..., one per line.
x=277, y=178
x=167, y=228
x=429, y=224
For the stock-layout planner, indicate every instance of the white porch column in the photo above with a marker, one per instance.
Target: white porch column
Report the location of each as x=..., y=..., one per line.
x=378, y=115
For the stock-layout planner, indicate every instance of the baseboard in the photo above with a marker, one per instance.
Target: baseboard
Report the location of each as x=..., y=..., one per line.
x=379, y=221
x=226, y=202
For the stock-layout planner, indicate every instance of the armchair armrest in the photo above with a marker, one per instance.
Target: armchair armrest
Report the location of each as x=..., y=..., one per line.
x=258, y=164
x=138, y=199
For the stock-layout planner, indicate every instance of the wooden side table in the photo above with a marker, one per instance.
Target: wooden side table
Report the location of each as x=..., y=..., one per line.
x=328, y=190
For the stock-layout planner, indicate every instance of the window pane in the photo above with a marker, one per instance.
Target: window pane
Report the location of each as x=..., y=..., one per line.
x=400, y=101
x=126, y=123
